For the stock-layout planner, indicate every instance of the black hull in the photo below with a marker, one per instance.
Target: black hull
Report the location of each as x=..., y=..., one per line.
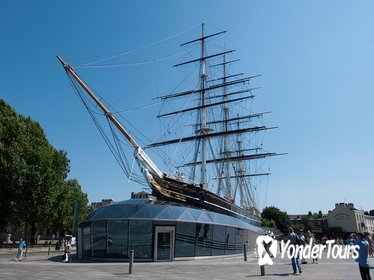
x=170, y=189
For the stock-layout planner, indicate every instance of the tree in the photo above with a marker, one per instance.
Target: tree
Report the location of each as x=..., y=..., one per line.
x=12, y=165
x=268, y=223
x=68, y=195
x=307, y=224
x=32, y=174
x=280, y=218
x=298, y=227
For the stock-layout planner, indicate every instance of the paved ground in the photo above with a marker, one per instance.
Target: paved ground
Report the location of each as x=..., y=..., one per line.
x=38, y=265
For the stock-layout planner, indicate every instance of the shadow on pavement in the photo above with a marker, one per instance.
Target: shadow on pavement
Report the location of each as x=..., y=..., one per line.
x=74, y=259
x=271, y=274
x=59, y=258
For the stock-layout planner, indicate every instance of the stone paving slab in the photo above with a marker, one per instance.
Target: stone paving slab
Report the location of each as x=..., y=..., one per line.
x=38, y=265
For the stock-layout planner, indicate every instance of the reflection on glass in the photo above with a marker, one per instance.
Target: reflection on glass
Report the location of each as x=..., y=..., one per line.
x=219, y=240
x=117, y=238
x=230, y=241
x=98, y=231
x=203, y=240
x=87, y=240
x=185, y=239
x=140, y=238
x=163, y=245
x=239, y=241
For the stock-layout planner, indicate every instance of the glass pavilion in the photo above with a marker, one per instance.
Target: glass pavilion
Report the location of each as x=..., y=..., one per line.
x=160, y=231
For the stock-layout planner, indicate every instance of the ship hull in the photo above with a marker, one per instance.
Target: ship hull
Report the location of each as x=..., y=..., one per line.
x=170, y=189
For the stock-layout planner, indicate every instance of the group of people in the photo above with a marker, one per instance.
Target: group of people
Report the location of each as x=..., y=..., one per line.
x=65, y=244
x=295, y=240
x=364, y=250
x=301, y=240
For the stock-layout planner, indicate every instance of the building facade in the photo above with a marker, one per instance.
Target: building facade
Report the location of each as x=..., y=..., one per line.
x=344, y=216
x=103, y=202
x=369, y=223
x=318, y=222
x=350, y=219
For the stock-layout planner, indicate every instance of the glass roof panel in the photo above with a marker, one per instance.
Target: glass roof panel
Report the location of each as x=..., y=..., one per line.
x=177, y=211
x=166, y=214
x=219, y=219
x=195, y=213
x=186, y=216
x=143, y=209
x=149, y=211
x=114, y=211
x=204, y=218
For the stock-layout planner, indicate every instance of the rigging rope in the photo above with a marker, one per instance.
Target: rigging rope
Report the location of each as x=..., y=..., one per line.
x=141, y=48
x=116, y=148
x=132, y=63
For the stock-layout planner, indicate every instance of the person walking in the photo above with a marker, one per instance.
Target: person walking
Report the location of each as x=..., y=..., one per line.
x=312, y=242
x=65, y=257
x=362, y=258
x=21, y=249
x=370, y=241
x=294, y=240
x=302, y=242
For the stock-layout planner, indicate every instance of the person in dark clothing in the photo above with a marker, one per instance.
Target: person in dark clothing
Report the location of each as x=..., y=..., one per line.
x=294, y=240
x=362, y=258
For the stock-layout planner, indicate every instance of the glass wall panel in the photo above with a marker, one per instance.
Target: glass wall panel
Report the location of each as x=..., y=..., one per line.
x=230, y=240
x=98, y=233
x=251, y=238
x=185, y=239
x=219, y=240
x=141, y=238
x=164, y=246
x=203, y=239
x=87, y=240
x=117, y=238
x=239, y=241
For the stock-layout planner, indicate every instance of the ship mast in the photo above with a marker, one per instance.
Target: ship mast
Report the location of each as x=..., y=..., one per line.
x=226, y=151
x=203, y=129
x=146, y=163
x=209, y=131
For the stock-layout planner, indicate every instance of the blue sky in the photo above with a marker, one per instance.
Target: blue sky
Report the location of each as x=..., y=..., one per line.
x=316, y=58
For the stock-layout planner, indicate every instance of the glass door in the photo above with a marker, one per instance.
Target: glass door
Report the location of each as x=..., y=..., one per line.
x=164, y=243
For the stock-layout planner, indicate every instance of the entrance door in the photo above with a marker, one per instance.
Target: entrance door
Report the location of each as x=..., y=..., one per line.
x=164, y=244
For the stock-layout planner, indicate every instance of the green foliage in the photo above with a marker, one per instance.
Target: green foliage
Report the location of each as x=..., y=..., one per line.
x=333, y=230
x=298, y=227
x=268, y=223
x=67, y=195
x=33, y=177
x=307, y=224
x=280, y=218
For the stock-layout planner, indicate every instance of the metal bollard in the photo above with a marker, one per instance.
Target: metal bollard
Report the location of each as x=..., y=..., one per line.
x=131, y=261
x=245, y=252
x=262, y=268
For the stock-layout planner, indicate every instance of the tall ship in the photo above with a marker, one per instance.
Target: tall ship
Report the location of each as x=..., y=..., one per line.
x=216, y=154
